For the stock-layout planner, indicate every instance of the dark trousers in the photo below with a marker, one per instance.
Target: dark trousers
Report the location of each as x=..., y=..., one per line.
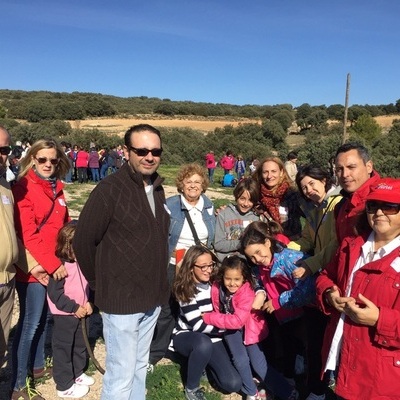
x=82, y=174
x=201, y=352
x=283, y=344
x=165, y=324
x=315, y=324
x=69, y=351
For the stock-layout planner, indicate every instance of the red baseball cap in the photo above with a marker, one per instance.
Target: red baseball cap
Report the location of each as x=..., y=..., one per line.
x=387, y=190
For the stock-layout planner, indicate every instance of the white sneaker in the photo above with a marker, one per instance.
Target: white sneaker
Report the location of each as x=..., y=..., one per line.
x=74, y=392
x=84, y=380
x=313, y=396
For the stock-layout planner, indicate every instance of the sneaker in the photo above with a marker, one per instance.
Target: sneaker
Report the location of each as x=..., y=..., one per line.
x=313, y=396
x=197, y=394
x=84, y=379
x=74, y=392
x=27, y=393
x=150, y=368
x=255, y=397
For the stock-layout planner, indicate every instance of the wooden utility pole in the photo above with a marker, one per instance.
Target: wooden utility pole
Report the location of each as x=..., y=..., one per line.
x=346, y=107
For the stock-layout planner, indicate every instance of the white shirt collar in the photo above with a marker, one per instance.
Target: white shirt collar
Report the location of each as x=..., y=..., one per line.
x=199, y=206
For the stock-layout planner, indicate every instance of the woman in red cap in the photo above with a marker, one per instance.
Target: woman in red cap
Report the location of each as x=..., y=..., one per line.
x=360, y=289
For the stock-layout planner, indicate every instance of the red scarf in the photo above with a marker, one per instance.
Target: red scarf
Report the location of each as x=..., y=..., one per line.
x=272, y=199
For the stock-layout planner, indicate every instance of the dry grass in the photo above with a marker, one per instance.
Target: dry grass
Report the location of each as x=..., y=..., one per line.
x=120, y=125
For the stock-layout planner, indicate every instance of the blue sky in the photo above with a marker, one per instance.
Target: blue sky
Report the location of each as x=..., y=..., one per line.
x=228, y=51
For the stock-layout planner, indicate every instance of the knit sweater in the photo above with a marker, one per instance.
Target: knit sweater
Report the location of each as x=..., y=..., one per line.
x=121, y=247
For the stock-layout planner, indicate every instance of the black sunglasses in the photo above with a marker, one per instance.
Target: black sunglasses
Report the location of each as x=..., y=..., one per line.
x=373, y=206
x=5, y=150
x=144, y=152
x=43, y=160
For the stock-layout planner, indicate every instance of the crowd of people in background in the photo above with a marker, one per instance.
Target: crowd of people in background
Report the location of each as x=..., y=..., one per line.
x=290, y=290
x=90, y=164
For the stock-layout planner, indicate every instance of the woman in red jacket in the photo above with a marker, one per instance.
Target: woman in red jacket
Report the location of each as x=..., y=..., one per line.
x=40, y=212
x=360, y=289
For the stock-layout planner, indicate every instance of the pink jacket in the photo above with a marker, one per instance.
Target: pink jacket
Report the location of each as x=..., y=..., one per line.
x=82, y=159
x=253, y=321
x=227, y=162
x=65, y=296
x=370, y=356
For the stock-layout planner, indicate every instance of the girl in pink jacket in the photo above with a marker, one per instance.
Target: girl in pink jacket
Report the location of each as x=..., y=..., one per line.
x=232, y=296
x=68, y=302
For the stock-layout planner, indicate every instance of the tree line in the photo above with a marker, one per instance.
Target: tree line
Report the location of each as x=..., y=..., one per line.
x=36, y=106
x=251, y=140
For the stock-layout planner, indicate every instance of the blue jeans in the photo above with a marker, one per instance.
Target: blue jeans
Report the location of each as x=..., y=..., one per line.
x=252, y=355
x=29, y=340
x=127, y=339
x=68, y=177
x=103, y=170
x=201, y=353
x=211, y=174
x=95, y=174
x=242, y=362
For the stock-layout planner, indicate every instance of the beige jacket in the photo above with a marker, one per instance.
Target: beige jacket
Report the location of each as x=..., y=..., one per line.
x=8, y=238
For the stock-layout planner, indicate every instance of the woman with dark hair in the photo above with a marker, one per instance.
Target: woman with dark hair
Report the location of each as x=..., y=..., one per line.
x=40, y=212
x=318, y=238
x=278, y=199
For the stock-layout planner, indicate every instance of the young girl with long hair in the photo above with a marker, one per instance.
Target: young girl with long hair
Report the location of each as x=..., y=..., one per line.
x=232, y=296
x=68, y=302
x=285, y=295
x=199, y=342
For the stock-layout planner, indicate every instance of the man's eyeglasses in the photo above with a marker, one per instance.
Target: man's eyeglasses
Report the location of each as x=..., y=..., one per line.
x=43, y=160
x=204, y=268
x=5, y=150
x=373, y=206
x=144, y=152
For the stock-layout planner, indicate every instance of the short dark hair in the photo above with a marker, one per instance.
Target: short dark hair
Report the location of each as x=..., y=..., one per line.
x=361, y=150
x=292, y=155
x=139, y=128
x=315, y=172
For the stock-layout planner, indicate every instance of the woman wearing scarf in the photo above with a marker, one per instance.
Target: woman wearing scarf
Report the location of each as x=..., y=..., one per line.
x=40, y=212
x=279, y=201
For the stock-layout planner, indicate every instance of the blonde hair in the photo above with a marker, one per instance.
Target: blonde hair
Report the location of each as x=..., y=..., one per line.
x=188, y=170
x=284, y=178
x=27, y=162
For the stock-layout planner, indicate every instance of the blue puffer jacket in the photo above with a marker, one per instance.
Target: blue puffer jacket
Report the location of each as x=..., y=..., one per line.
x=176, y=207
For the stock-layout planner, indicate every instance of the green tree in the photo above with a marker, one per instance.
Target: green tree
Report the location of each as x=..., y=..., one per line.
x=366, y=129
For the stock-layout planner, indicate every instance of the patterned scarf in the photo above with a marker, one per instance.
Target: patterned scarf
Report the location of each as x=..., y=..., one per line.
x=272, y=199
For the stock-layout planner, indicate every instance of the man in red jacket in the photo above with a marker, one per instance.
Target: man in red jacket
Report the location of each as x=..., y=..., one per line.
x=354, y=169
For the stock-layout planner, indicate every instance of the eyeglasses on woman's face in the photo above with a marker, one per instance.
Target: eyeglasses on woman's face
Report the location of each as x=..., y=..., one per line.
x=204, y=268
x=372, y=206
x=44, y=160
